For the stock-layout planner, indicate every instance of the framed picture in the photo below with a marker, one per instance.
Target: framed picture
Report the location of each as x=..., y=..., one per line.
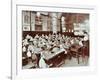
x=51, y=41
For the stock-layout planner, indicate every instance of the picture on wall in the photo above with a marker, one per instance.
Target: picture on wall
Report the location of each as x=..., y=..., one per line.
x=55, y=39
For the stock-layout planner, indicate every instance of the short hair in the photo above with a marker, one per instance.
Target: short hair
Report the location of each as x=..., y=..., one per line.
x=42, y=48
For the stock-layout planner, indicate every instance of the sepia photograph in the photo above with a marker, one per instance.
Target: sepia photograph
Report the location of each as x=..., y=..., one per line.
x=55, y=39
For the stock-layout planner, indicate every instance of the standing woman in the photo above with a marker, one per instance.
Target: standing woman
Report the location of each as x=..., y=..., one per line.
x=42, y=63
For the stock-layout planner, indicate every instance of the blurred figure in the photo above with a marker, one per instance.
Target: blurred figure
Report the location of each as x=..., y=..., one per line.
x=42, y=63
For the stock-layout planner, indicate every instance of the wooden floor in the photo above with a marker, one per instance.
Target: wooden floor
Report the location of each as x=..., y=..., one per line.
x=73, y=62
x=67, y=63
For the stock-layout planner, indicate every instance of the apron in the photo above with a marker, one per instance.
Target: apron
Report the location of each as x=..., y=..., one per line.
x=42, y=63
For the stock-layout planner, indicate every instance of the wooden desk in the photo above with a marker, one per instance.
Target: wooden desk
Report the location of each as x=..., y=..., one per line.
x=75, y=49
x=55, y=59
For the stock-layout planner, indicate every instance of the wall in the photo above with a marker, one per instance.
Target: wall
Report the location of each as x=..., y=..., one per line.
x=5, y=32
